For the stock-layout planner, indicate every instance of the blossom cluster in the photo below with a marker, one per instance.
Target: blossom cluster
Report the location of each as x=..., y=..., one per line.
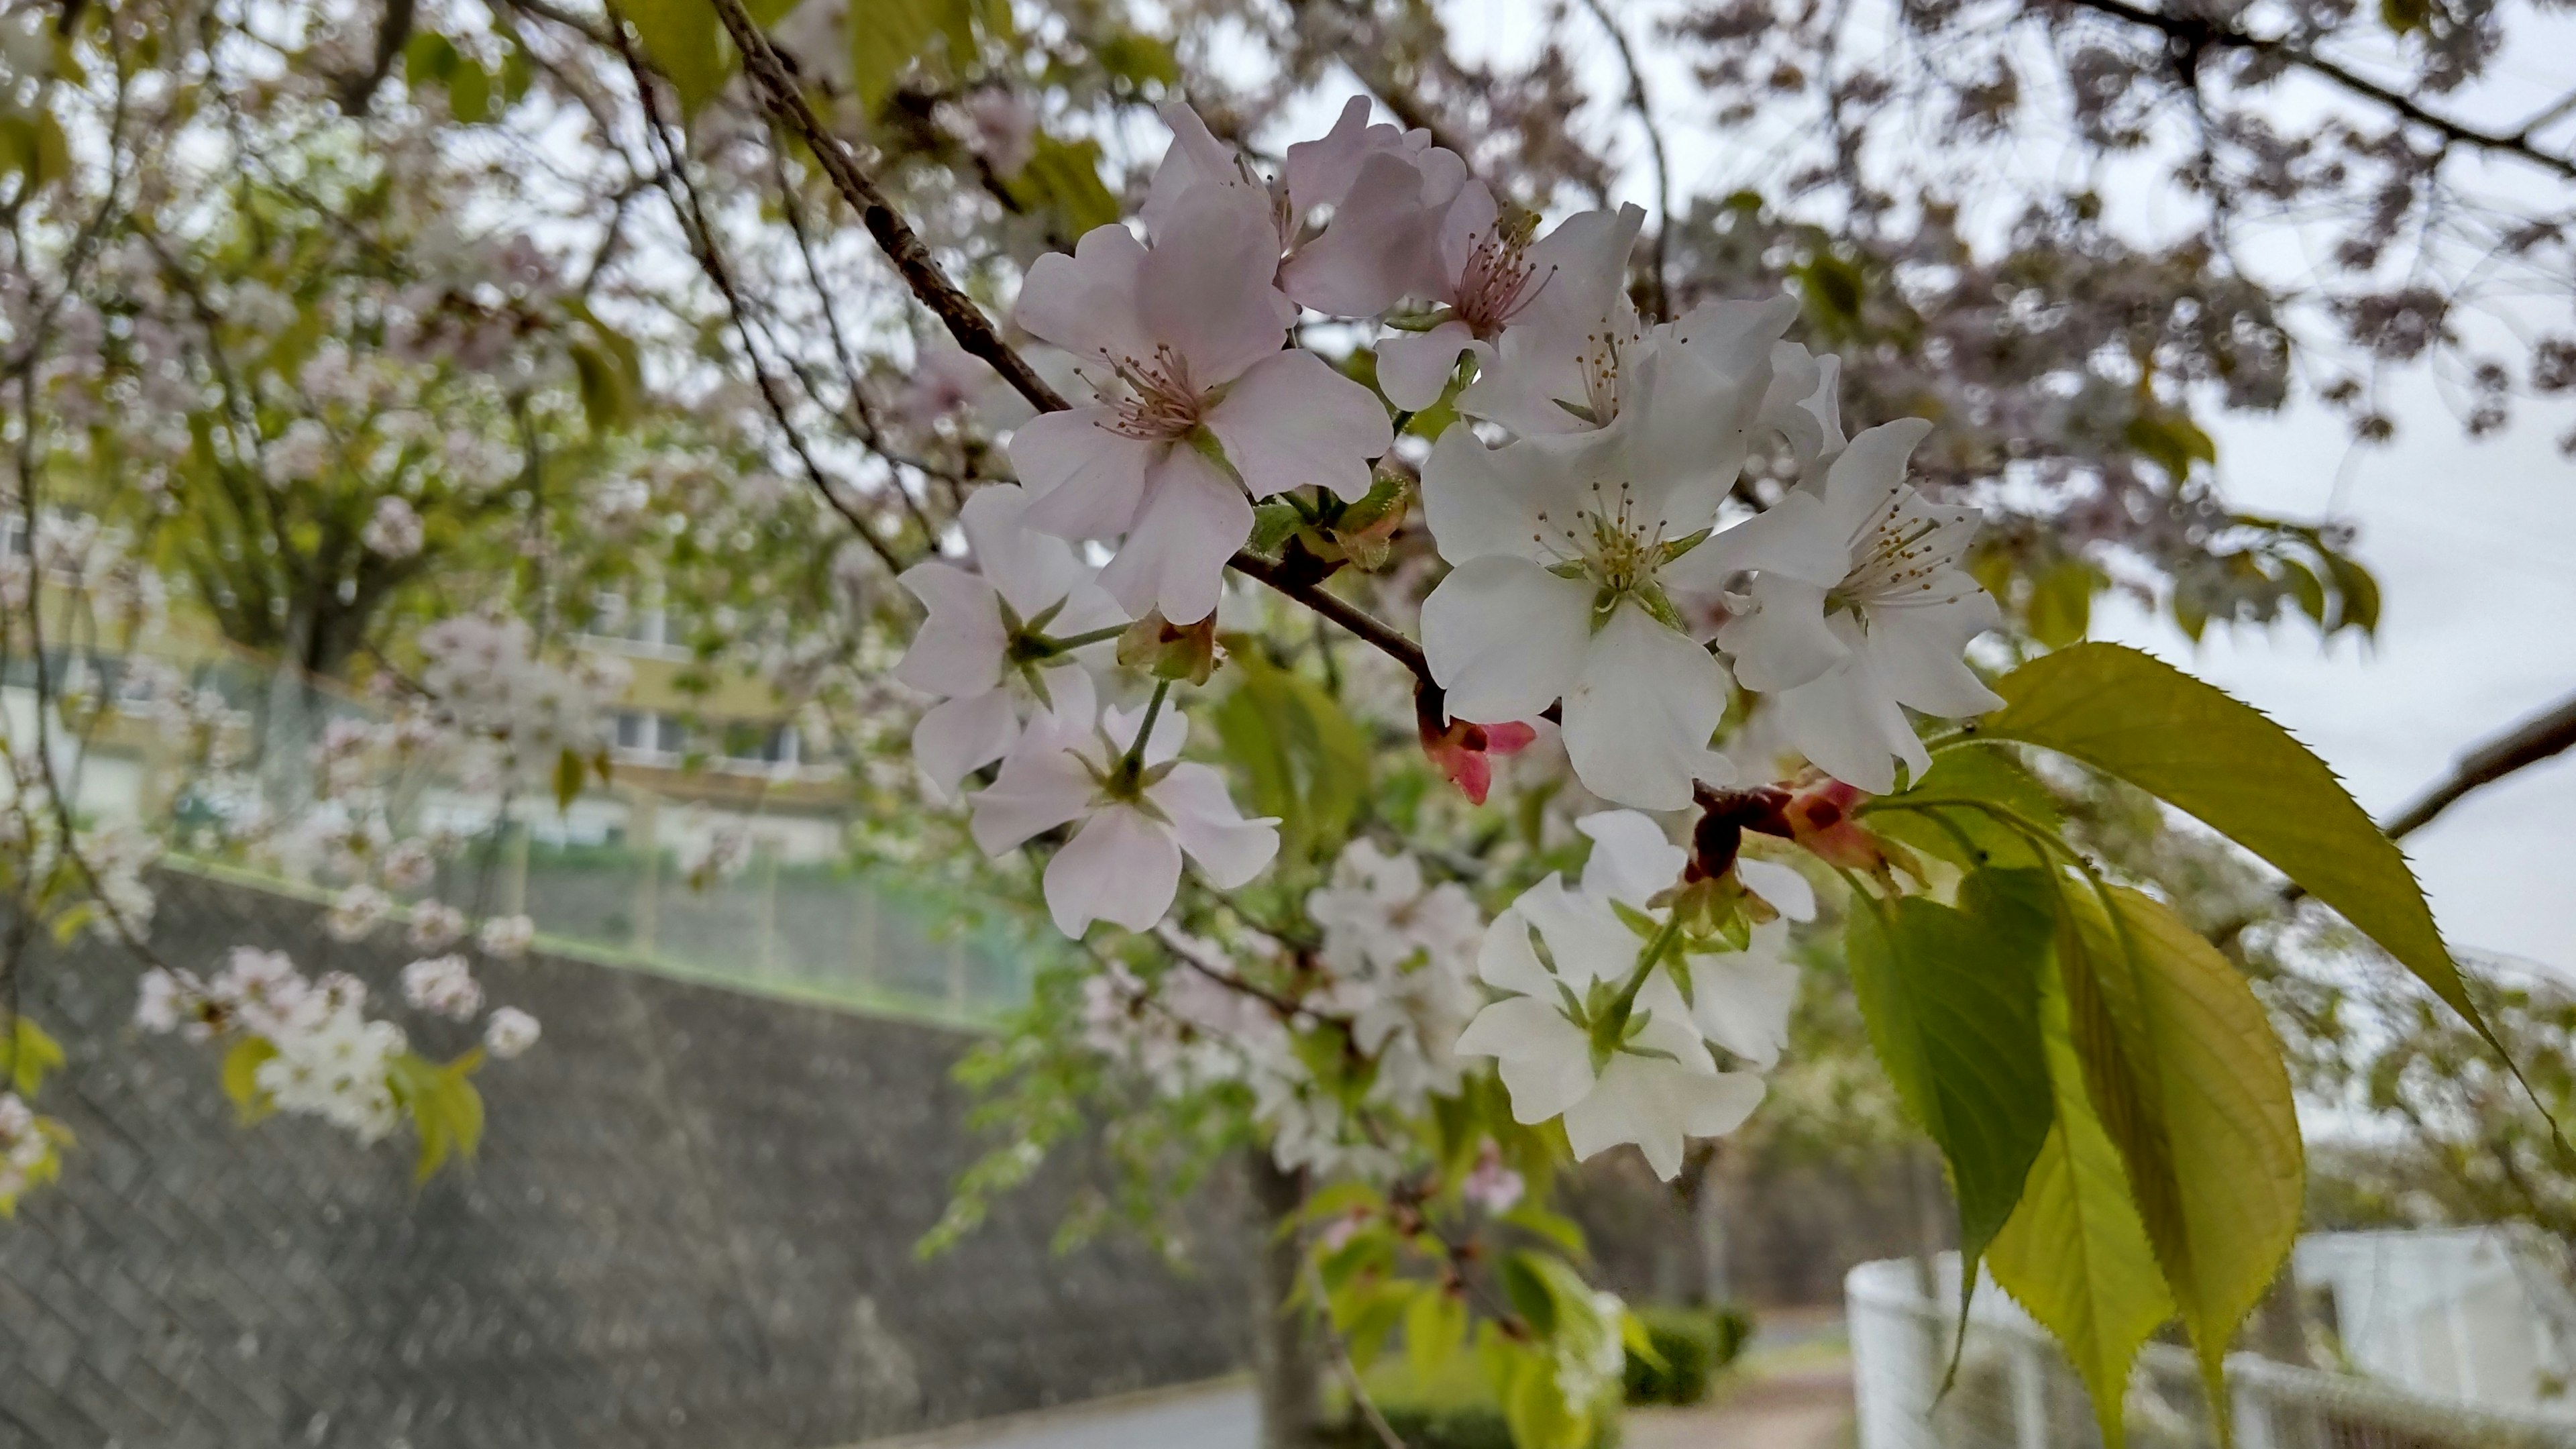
x=488, y=682
x=324, y=1056
x=28, y=1149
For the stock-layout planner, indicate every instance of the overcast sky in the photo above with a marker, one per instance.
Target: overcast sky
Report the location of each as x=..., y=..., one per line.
x=2474, y=544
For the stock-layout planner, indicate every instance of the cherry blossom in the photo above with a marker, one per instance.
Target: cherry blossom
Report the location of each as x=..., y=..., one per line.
x=1140, y=810
x=443, y=986
x=1635, y=1067
x=394, y=531
x=1402, y=951
x=1199, y=409
x=434, y=925
x=1565, y=548
x=1859, y=607
x=507, y=937
x=999, y=641
x=508, y=1033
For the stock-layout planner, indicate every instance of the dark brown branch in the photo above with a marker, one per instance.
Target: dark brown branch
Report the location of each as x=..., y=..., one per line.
x=2544, y=735
x=2198, y=33
x=965, y=321
x=393, y=32
x=1383, y=637
x=700, y=231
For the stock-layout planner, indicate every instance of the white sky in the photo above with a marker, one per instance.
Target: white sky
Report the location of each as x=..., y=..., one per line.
x=2473, y=542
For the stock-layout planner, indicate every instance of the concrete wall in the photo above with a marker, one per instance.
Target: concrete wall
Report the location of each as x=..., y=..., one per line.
x=691, y=1225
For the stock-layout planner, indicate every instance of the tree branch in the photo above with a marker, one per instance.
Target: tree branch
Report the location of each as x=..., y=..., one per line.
x=2196, y=31
x=2549, y=733
x=1655, y=144
x=967, y=323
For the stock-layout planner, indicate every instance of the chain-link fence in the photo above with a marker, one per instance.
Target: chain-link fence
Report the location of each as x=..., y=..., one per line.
x=702, y=866
x=2015, y=1390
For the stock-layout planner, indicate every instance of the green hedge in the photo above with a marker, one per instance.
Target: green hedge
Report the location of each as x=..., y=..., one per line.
x=1694, y=1344
x=1454, y=1409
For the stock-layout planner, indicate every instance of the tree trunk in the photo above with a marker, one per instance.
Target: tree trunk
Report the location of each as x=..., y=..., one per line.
x=1287, y=1362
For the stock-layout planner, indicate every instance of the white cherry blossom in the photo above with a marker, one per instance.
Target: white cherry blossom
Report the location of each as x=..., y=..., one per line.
x=1565, y=549
x=1660, y=1086
x=1140, y=812
x=993, y=643
x=1859, y=607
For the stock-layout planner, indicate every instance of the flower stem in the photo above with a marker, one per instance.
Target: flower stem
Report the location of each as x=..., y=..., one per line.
x=1068, y=645
x=1133, y=763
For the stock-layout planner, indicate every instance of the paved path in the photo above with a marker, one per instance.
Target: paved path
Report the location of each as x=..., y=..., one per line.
x=1808, y=1407
x=1211, y=1416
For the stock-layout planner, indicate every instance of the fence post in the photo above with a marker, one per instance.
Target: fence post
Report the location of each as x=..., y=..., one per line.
x=644, y=835
x=2030, y=1395
x=2249, y=1409
x=768, y=854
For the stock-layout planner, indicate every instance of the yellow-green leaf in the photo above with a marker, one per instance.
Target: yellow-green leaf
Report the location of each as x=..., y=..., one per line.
x=686, y=42
x=2074, y=1252
x=885, y=36
x=2186, y=1077
x=1963, y=833
x=2194, y=747
x=31, y=1056
x=241, y=1077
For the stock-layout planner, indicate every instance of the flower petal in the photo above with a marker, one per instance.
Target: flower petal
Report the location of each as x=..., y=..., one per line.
x=1786, y=890
x=1740, y=999
x=1292, y=420
x=1847, y=724
x=1084, y=478
x=1377, y=248
x=1545, y=1061
x=1033, y=570
x=1518, y=500
x=1639, y=717
x=960, y=735
x=1192, y=520
x=1229, y=849
x=1506, y=961
x=1038, y=790
x=958, y=649
x=1869, y=469
x=1794, y=538
x=1505, y=637
x=1916, y=651
x=1205, y=286
x=1086, y=303
x=1632, y=858
x=1414, y=368
x=1120, y=867
x=1785, y=641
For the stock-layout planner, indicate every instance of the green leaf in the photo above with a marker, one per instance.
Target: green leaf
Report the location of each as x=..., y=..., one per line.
x=31, y=1056
x=885, y=37
x=687, y=43
x=240, y=1075
x=1963, y=834
x=1064, y=177
x=2172, y=441
x=2222, y=761
x=1553, y=1227
x=2061, y=603
x=1306, y=762
x=1435, y=1326
x=2074, y=1252
x=2186, y=1077
x=569, y=772
x=1951, y=1000
x=2356, y=594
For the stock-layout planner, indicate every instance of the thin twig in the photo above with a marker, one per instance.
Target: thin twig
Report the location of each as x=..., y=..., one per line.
x=2199, y=32
x=1655, y=145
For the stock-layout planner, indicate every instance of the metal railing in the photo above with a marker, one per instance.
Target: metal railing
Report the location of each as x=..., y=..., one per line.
x=2015, y=1390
